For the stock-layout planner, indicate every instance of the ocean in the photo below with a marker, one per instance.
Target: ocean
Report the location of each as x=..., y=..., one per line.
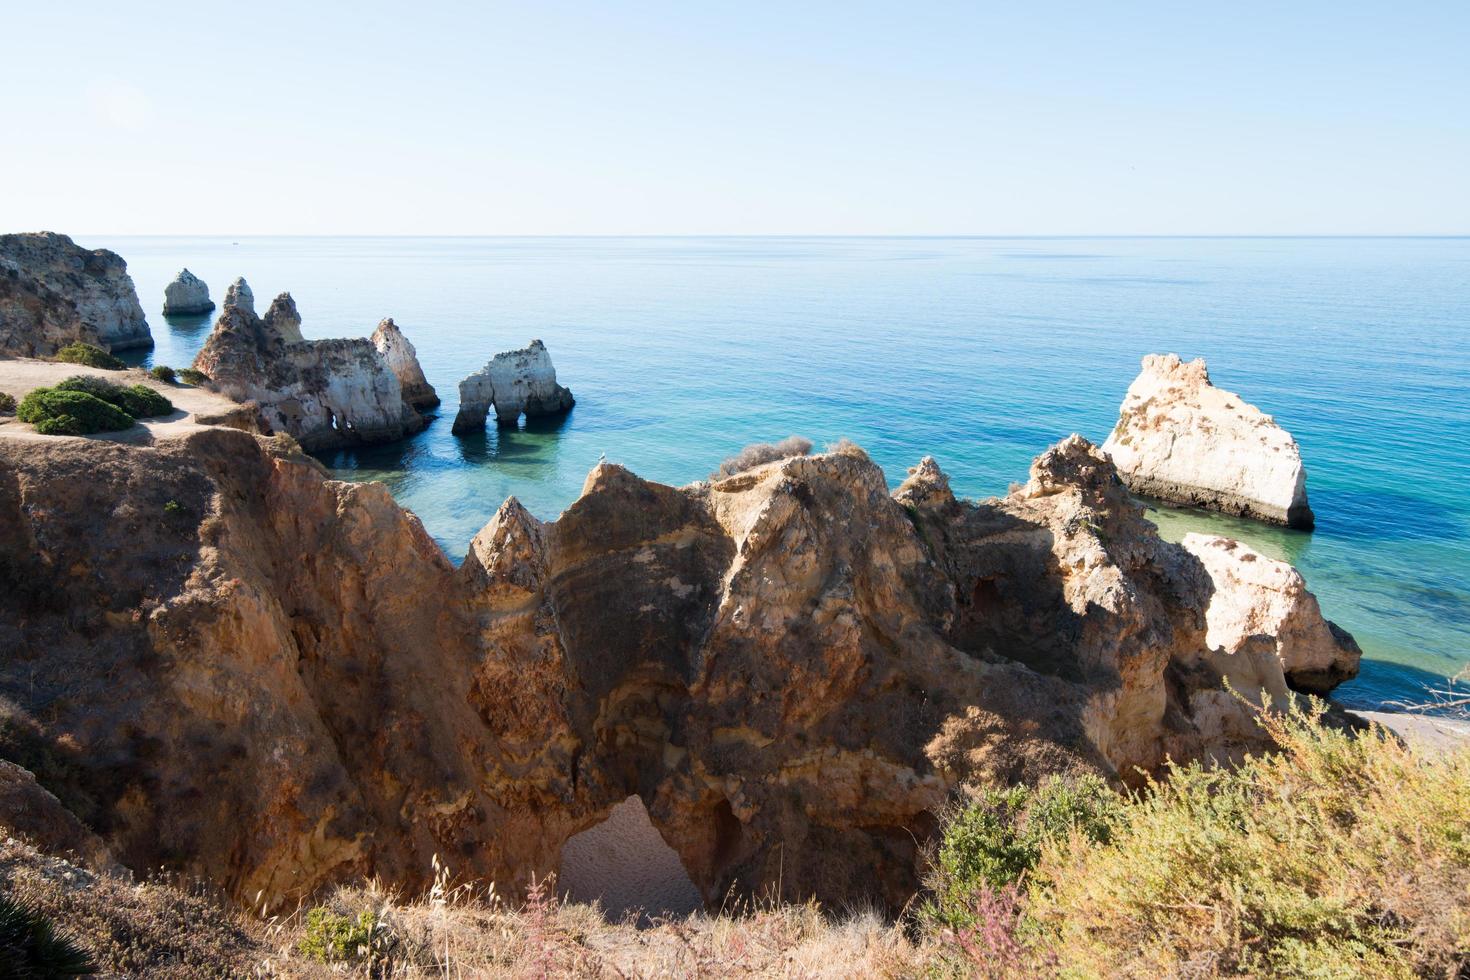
x=978, y=351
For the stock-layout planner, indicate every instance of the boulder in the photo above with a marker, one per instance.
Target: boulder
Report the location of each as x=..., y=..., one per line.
x=1181, y=439
x=187, y=295
x=513, y=382
x=54, y=293
x=283, y=683
x=327, y=394
x=403, y=361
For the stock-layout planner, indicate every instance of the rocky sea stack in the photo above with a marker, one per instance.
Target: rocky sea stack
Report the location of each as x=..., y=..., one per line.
x=325, y=393
x=403, y=360
x=54, y=293
x=187, y=295
x=1181, y=439
x=514, y=382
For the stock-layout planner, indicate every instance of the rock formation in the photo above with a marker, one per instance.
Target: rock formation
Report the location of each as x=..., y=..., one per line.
x=515, y=381
x=281, y=682
x=54, y=293
x=1181, y=439
x=403, y=361
x=324, y=393
x=187, y=295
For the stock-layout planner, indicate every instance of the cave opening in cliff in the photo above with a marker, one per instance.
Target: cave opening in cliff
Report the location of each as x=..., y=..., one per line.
x=625, y=864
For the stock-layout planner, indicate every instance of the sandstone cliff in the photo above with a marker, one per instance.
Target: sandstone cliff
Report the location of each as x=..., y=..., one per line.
x=403, y=361
x=187, y=295
x=280, y=682
x=54, y=293
x=514, y=382
x=325, y=393
x=1179, y=438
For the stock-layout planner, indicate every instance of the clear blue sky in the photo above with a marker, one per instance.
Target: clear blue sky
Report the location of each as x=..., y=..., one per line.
x=742, y=117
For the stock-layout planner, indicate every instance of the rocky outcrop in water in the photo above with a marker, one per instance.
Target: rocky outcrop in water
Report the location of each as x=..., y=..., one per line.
x=1181, y=439
x=54, y=293
x=325, y=393
x=403, y=361
x=187, y=295
x=279, y=681
x=514, y=382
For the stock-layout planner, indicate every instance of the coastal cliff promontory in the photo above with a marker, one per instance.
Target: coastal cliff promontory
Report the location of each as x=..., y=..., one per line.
x=227, y=665
x=325, y=393
x=54, y=293
x=1181, y=439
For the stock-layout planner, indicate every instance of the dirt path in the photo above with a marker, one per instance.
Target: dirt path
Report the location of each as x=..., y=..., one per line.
x=20, y=375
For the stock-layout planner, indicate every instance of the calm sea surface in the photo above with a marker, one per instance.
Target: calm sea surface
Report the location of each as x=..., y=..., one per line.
x=979, y=351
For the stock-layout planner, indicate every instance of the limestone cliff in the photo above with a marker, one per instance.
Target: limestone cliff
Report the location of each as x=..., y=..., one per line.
x=54, y=293
x=513, y=382
x=279, y=681
x=325, y=393
x=1179, y=438
x=403, y=361
x=187, y=295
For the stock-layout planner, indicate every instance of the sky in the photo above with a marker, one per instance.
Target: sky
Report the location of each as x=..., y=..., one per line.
x=748, y=117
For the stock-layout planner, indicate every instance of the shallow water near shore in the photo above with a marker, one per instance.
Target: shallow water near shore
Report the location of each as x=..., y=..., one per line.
x=980, y=352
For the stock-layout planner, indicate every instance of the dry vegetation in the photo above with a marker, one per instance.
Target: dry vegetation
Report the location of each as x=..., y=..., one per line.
x=1340, y=856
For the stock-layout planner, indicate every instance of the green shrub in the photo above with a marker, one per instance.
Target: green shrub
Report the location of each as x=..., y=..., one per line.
x=31, y=947
x=71, y=412
x=139, y=401
x=192, y=377
x=1341, y=855
x=331, y=937
x=997, y=839
x=7, y=402
x=164, y=373
x=90, y=355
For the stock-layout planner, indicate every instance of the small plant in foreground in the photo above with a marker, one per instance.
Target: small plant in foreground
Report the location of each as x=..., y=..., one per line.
x=164, y=373
x=54, y=411
x=331, y=937
x=173, y=507
x=7, y=403
x=192, y=377
x=30, y=947
x=90, y=355
x=762, y=452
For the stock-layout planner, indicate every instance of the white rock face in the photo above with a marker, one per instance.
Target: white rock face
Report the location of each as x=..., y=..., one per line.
x=514, y=382
x=1260, y=601
x=403, y=360
x=187, y=295
x=1181, y=439
x=326, y=393
x=53, y=293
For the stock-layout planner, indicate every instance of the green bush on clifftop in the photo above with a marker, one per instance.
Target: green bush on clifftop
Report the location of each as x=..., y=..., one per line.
x=89, y=355
x=85, y=403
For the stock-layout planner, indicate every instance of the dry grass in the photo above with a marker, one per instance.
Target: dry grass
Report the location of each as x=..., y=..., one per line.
x=762, y=452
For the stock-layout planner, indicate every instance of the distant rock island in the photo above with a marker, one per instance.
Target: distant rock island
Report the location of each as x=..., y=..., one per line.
x=514, y=382
x=187, y=295
x=327, y=394
x=1181, y=439
x=54, y=293
x=403, y=361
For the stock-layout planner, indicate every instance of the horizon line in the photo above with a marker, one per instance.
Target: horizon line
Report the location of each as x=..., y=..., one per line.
x=791, y=235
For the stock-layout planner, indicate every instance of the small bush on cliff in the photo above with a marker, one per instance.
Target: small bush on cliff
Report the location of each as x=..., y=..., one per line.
x=762, y=452
x=192, y=377
x=31, y=947
x=164, y=373
x=89, y=355
x=7, y=403
x=331, y=937
x=139, y=401
x=58, y=412
x=995, y=841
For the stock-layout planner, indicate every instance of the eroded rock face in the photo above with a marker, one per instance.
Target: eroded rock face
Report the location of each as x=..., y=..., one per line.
x=403, y=361
x=54, y=293
x=514, y=382
x=324, y=393
x=1181, y=439
x=187, y=295
x=282, y=682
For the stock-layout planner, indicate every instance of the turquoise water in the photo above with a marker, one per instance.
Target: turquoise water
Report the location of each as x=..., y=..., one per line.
x=979, y=351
